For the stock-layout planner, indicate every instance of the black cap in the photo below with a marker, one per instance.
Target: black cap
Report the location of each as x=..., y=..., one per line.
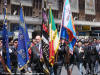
x=1, y=39
x=15, y=39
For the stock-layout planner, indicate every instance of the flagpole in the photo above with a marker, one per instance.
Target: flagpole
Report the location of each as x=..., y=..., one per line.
x=6, y=39
x=25, y=65
x=43, y=8
x=50, y=32
x=61, y=21
x=60, y=30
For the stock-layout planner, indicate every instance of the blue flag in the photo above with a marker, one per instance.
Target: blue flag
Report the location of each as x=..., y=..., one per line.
x=68, y=29
x=23, y=42
x=5, y=42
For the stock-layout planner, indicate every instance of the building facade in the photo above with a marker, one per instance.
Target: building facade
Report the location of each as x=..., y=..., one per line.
x=86, y=14
x=32, y=12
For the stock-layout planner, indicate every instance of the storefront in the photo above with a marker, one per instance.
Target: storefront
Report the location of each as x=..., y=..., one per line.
x=95, y=32
x=83, y=31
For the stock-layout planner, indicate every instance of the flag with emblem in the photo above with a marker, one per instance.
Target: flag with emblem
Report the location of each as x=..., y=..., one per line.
x=45, y=41
x=53, y=38
x=45, y=36
x=5, y=39
x=23, y=42
x=68, y=29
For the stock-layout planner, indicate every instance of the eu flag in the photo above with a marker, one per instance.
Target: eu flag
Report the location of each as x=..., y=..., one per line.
x=5, y=42
x=23, y=42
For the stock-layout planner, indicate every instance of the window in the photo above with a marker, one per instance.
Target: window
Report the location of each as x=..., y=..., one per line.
x=27, y=11
x=89, y=17
x=82, y=4
x=94, y=34
x=33, y=3
x=8, y=1
x=30, y=26
x=14, y=27
x=37, y=4
x=15, y=9
x=37, y=8
x=55, y=13
x=40, y=4
x=1, y=26
x=98, y=6
x=60, y=4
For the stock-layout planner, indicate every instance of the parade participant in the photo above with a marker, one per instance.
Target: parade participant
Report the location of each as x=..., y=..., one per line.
x=13, y=56
x=30, y=54
x=39, y=46
x=2, y=65
x=98, y=50
x=80, y=57
x=35, y=63
x=60, y=57
x=86, y=63
x=94, y=57
x=11, y=42
x=69, y=60
x=98, y=56
x=32, y=44
x=38, y=42
x=64, y=58
x=90, y=56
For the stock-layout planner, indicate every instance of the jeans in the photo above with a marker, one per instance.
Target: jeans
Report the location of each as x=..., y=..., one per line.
x=80, y=67
x=96, y=67
x=59, y=70
x=51, y=71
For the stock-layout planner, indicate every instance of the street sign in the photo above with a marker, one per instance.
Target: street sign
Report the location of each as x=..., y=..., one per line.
x=86, y=28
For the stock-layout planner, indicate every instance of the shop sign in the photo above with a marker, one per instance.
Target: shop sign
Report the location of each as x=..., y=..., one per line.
x=86, y=28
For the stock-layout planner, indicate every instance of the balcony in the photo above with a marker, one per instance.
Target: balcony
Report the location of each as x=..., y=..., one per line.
x=24, y=2
x=78, y=22
x=28, y=20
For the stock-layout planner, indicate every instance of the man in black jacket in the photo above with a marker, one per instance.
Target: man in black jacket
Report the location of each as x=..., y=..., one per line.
x=60, y=57
x=79, y=52
x=13, y=56
x=35, y=57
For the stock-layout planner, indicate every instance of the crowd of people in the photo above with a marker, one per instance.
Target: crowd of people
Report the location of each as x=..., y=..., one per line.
x=86, y=54
x=34, y=56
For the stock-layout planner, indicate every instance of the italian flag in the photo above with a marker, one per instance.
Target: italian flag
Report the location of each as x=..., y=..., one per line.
x=53, y=38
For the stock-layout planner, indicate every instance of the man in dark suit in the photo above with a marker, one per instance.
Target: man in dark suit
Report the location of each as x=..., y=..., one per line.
x=36, y=56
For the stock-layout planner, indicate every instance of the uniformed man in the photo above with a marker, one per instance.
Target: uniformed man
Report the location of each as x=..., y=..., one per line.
x=60, y=57
x=13, y=56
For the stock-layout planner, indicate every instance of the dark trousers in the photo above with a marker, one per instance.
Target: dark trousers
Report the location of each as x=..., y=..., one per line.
x=57, y=68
